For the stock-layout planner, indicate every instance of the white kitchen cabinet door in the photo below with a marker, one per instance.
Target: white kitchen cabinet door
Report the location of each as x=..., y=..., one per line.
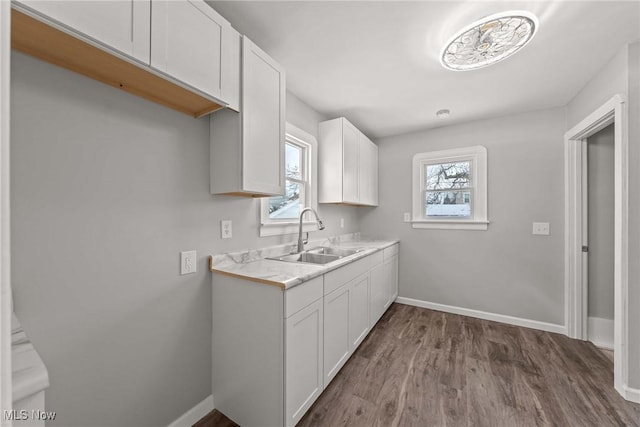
x=186, y=43
x=368, y=171
x=247, y=147
x=123, y=25
x=359, y=311
x=263, y=115
x=303, y=360
x=337, y=343
x=350, y=163
x=378, y=290
x=391, y=280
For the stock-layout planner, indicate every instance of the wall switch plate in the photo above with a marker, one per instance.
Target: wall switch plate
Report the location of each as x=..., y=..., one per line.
x=541, y=228
x=187, y=262
x=407, y=217
x=341, y=222
x=226, y=229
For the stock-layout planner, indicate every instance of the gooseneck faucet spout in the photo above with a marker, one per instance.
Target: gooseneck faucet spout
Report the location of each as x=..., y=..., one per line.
x=320, y=227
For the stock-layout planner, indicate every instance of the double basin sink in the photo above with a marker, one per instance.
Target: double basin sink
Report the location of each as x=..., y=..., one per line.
x=321, y=255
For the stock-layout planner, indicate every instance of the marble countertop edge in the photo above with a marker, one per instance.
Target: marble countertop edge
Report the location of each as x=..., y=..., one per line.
x=252, y=264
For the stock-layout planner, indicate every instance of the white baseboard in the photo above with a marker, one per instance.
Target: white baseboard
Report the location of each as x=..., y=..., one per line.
x=600, y=332
x=517, y=321
x=194, y=414
x=631, y=394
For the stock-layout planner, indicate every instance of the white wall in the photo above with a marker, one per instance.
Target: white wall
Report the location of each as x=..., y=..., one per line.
x=504, y=270
x=612, y=79
x=107, y=189
x=600, y=223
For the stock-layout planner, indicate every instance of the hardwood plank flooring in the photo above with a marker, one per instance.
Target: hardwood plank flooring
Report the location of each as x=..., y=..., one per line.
x=420, y=367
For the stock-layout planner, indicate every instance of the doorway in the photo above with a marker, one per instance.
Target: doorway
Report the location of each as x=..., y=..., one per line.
x=613, y=112
x=598, y=240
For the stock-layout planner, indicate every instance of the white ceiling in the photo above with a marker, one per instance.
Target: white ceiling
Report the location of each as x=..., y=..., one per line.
x=377, y=62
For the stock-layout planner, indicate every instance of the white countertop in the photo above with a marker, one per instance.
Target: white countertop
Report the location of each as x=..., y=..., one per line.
x=29, y=374
x=253, y=265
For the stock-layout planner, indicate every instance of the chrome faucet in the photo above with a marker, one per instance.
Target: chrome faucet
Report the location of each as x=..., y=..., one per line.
x=320, y=227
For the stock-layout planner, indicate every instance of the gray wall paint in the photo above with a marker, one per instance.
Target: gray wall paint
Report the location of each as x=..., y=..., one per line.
x=600, y=218
x=612, y=79
x=504, y=270
x=107, y=189
x=622, y=76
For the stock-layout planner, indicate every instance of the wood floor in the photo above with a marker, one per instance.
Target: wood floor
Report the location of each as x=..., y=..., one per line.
x=420, y=367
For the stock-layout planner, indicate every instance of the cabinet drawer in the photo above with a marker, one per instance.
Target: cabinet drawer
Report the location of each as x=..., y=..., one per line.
x=302, y=295
x=336, y=278
x=390, y=251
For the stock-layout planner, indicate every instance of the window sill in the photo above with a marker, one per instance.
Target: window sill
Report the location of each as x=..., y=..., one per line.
x=278, y=229
x=443, y=224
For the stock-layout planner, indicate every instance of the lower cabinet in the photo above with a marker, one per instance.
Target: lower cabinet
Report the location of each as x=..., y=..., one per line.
x=336, y=331
x=379, y=291
x=359, y=311
x=304, y=344
x=274, y=351
x=390, y=281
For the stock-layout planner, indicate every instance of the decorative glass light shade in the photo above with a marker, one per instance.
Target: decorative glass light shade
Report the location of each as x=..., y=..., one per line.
x=489, y=40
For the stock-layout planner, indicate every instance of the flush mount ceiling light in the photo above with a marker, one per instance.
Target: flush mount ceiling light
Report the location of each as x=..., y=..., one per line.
x=489, y=40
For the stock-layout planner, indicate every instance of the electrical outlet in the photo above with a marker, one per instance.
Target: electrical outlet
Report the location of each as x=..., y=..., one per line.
x=541, y=228
x=341, y=222
x=407, y=217
x=187, y=262
x=226, y=229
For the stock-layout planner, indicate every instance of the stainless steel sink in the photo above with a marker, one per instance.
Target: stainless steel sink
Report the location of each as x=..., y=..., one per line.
x=334, y=251
x=308, y=257
x=320, y=255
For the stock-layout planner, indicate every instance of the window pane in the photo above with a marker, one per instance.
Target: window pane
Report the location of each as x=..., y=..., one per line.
x=287, y=206
x=448, y=176
x=448, y=203
x=293, y=161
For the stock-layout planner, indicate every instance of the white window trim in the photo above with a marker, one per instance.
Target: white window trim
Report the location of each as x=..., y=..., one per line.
x=478, y=155
x=269, y=227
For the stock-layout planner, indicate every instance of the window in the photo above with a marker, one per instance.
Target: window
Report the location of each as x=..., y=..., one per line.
x=450, y=189
x=279, y=214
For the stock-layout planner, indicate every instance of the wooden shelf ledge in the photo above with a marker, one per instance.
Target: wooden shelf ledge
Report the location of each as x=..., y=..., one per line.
x=36, y=38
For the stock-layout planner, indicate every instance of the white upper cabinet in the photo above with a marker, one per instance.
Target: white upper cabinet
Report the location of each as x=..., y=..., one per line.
x=186, y=43
x=123, y=25
x=247, y=148
x=348, y=166
x=187, y=55
x=368, y=171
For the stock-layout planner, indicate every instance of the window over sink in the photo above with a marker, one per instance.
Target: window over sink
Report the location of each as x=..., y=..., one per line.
x=279, y=214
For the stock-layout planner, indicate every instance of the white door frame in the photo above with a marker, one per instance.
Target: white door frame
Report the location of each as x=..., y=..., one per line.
x=575, y=280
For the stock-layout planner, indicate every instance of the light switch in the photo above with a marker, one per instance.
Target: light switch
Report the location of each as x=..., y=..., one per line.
x=541, y=228
x=226, y=229
x=341, y=222
x=187, y=262
x=407, y=217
